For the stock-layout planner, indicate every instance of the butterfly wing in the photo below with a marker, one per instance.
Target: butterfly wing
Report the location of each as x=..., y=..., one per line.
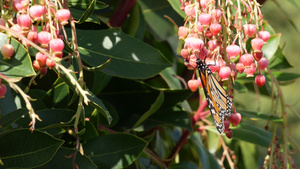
x=219, y=103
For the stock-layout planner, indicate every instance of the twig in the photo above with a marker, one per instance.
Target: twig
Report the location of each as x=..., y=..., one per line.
x=57, y=62
x=26, y=98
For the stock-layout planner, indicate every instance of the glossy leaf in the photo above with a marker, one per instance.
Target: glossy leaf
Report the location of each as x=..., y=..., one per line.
x=132, y=99
x=64, y=160
x=145, y=163
x=112, y=112
x=154, y=107
x=260, y=116
x=239, y=87
x=252, y=134
x=154, y=12
x=7, y=104
x=270, y=48
x=249, y=152
x=59, y=96
x=50, y=118
x=88, y=12
x=96, y=81
x=22, y=149
x=20, y=64
x=90, y=131
x=168, y=75
x=171, y=117
x=77, y=14
x=97, y=68
x=84, y=4
x=38, y=95
x=208, y=161
x=133, y=25
x=98, y=104
x=269, y=28
x=130, y=58
x=107, y=152
x=285, y=77
x=176, y=6
x=279, y=61
x=12, y=117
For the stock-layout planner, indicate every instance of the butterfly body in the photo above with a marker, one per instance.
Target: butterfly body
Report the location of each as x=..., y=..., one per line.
x=219, y=103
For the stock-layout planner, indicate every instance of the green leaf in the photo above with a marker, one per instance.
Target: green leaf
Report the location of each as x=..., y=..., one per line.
x=77, y=14
x=7, y=104
x=97, y=68
x=38, y=95
x=12, y=117
x=168, y=75
x=90, y=131
x=252, y=134
x=96, y=81
x=154, y=107
x=176, y=6
x=172, y=117
x=249, y=155
x=51, y=118
x=260, y=116
x=270, y=48
x=279, y=61
x=239, y=87
x=208, y=161
x=184, y=164
x=133, y=21
x=98, y=104
x=154, y=13
x=269, y=28
x=59, y=96
x=84, y=4
x=132, y=99
x=88, y=12
x=20, y=63
x=145, y=163
x=284, y=76
x=61, y=160
x=112, y=112
x=130, y=58
x=107, y=152
x=24, y=149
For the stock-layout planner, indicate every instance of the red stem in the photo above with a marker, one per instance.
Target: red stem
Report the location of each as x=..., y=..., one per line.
x=121, y=12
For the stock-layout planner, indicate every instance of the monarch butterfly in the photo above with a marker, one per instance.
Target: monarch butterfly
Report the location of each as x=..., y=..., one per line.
x=219, y=103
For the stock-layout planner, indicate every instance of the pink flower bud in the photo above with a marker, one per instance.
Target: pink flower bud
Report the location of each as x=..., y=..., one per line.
x=263, y=63
x=36, y=12
x=260, y=80
x=44, y=38
x=63, y=16
x=224, y=72
x=204, y=19
x=264, y=35
x=249, y=29
x=257, y=44
x=233, y=51
x=7, y=50
x=246, y=59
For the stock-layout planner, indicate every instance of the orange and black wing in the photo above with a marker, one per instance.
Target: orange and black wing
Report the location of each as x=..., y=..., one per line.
x=219, y=103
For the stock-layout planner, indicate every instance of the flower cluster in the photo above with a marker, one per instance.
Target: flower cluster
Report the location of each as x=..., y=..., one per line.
x=24, y=17
x=218, y=34
x=211, y=33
